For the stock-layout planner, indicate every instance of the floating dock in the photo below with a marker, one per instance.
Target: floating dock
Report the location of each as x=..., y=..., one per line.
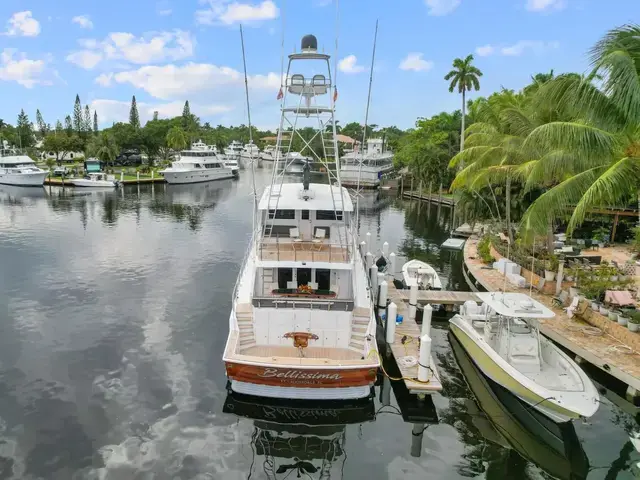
x=453, y=243
x=604, y=350
x=410, y=348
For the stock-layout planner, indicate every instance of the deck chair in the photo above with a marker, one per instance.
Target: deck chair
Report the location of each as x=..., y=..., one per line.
x=540, y=285
x=573, y=306
x=318, y=237
x=294, y=234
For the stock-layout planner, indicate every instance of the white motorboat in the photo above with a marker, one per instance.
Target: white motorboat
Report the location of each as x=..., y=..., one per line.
x=233, y=149
x=302, y=325
x=502, y=337
x=18, y=169
x=269, y=153
x=97, y=179
x=417, y=272
x=200, y=163
x=376, y=162
x=250, y=152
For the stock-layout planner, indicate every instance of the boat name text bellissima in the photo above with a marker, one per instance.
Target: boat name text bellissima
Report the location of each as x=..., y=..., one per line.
x=298, y=375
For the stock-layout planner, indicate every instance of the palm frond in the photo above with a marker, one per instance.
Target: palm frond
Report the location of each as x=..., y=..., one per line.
x=519, y=123
x=594, y=144
x=469, y=155
x=618, y=183
x=491, y=156
x=555, y=201
x=622, y=84
x=494, y=175
x=551, y=168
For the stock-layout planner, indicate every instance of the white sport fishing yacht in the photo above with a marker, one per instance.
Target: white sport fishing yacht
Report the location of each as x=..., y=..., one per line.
x=249, y=153
x=502, y=337
x=18, y=169
x=233, y=149
x=200, y=163
x=302, y=324
x=376, y=162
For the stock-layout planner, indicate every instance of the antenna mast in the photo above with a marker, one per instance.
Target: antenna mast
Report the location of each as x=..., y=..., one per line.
x=366, y=121
x=253, y=170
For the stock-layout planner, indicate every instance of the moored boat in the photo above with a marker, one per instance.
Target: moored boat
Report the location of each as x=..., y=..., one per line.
x=200, y=163
x=302, y=324
x=18, y=169
x=503, y=338
x=417, y=272
x=368, y=166
x=99, y=180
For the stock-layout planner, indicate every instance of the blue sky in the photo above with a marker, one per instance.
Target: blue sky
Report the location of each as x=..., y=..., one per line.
x=168, y=51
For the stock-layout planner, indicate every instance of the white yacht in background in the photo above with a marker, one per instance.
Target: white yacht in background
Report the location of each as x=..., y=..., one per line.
x=376, y=162
x=502, y=337
x=249, y=153
x=302, y=325
x=229, y=162
x=233, y=149
x=97, y=179
x=269, y=153
x=18, y=169
x=200, y=163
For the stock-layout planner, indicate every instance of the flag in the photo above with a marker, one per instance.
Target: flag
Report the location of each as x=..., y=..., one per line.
x=280, y=94
x=335, y=94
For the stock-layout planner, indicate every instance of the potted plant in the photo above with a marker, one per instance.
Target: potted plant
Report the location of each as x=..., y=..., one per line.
x=613, y=314
x=623, y=316
x=634, y=321
x=551, y=267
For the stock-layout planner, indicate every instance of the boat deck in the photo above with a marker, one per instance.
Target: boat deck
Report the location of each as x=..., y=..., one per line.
x=603, y=351
x=410, y=329
x=303, y=252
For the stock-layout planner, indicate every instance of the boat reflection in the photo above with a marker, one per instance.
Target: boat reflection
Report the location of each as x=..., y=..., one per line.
x=506, y=421
x=13, y=195
x=300, y=437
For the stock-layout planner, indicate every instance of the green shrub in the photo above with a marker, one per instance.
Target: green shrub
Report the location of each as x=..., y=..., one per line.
x=484, y=249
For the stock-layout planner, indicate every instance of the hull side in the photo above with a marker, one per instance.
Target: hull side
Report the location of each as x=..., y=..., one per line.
x=301, y=383
x=492, y=370
x=23, y=179
x=195, y=176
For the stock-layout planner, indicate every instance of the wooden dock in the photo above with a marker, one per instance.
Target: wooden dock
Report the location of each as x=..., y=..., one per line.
x=433, y=198
x=411, y=330
x=433, y=297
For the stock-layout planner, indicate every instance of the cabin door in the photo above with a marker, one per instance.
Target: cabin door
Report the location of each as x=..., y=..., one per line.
x=305, y=225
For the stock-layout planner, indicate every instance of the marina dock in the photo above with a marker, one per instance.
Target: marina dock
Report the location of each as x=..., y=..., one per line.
x=410, y=331
x=574, y=334
x=434, y=297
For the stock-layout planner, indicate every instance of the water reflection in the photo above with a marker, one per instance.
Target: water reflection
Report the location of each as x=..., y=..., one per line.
x=303, y=438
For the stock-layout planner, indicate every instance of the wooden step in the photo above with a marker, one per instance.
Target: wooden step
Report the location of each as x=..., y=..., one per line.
x=245, y=346
x=355, y=342
x=245, y=336
x=361, y=312
x=359, y=328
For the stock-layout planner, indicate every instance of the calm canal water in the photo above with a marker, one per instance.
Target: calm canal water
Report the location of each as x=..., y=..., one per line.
x=113, y=318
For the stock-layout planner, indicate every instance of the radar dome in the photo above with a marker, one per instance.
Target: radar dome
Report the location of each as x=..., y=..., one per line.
x=309, y=43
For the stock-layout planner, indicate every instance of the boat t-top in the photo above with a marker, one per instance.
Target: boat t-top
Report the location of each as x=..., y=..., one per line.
x=200, y=163
x=417, y=272
x=502, y=337
x=19, y=169
x=376, y=162
x=302, y=324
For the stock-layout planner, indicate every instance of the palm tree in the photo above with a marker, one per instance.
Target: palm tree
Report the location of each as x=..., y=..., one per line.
x=177, y=139
x=104, y=148
x=604, y=138
x=464, y=77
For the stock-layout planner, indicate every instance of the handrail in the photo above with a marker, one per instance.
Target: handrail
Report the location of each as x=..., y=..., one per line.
x=242, y=267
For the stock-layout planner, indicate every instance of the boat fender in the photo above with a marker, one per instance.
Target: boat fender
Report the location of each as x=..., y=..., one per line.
x=381, y=262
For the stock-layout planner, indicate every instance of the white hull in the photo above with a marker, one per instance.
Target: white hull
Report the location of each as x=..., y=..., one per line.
x=369, y=176
x=23, y=179
x=83, y=182
x=428, y=275
x=301, y=393
x=527, y=364
x=196, y=176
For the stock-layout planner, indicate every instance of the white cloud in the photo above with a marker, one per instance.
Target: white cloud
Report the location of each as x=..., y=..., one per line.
x=441, y=7
x=522, y=46
x=22, y=24
x=349, y=64
x=226, y=12
x=162, y=46
x=485, y=50
x=545, y=5
x=84, y=21
x=163, y=8
x=415, y=62
x=22, y=70
x=86, y=59
x=172, y=81
x=118, y=111
x=517, y=49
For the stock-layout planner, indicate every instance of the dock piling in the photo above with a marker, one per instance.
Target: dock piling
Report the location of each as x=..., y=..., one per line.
x=425, y=356
x=121, y=176
x=417, y=434
x=413, y=301
x=363, y=248
x=392, y=266
x=369, y=259
x=392, y=315
x=368, y=240
x=385, y=249
x=426, y=320
x=382, y=297
x=373, y=276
